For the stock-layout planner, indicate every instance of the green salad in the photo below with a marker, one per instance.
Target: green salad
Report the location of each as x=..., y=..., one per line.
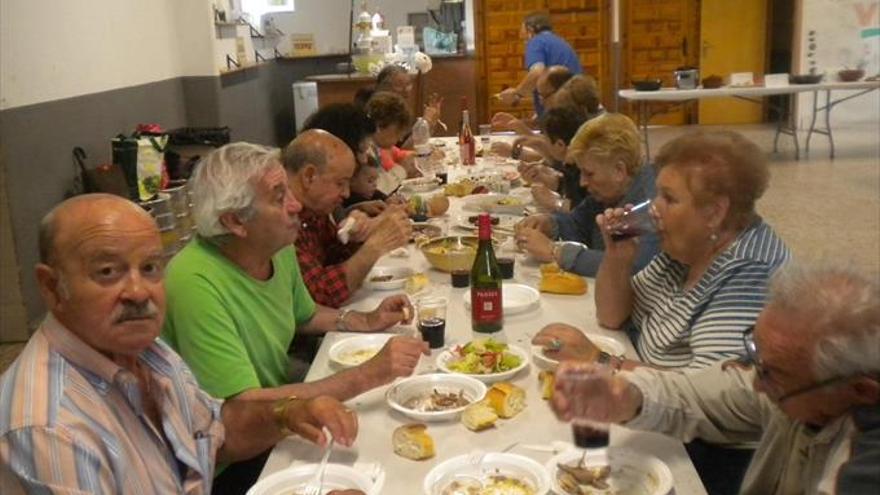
x=482, y=357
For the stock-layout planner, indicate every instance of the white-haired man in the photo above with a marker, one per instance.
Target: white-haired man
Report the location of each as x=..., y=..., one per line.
x=95, y=403
x=809, y=389
x=236, y=296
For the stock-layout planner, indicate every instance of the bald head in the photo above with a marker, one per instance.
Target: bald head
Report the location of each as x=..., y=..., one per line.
x=78, y=213
x=314, y=147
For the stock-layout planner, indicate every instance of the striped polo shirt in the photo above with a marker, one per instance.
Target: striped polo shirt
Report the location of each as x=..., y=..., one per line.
x=692, y=328
x=72, y=421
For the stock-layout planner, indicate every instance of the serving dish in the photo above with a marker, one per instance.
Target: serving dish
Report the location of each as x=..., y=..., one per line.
x=387, y=277
x=449, y=355
x=805, y=78
x=353, y=351
x=631, y=472
x=605, y=344
x=336, y=477
x=515, y=299
x=479, y=467
x=647, y=85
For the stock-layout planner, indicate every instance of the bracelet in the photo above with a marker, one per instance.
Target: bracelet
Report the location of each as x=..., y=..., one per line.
x=341, y=326
x=279, y=412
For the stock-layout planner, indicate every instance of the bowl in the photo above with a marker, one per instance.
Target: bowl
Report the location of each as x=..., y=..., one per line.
x=478, y=467
x=805, y=78
x=378, y=279
x=631, y=472
x=850, y=75
x=647, y=85
x=447, y=355
x=712, y=82
x=605, y=344
x=354, y=351
x=418, y=386
x=451, y=252
x=336, y=477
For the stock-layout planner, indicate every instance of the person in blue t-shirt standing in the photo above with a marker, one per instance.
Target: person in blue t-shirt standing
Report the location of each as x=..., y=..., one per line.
x=544, y=49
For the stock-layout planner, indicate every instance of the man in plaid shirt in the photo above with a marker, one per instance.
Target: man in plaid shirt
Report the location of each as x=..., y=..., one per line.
x=319, y=168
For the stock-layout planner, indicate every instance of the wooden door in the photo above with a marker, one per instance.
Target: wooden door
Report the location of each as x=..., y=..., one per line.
x=659, y=36
x=733, y=39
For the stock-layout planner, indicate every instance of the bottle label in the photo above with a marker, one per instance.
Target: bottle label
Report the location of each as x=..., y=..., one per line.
x=486, y=305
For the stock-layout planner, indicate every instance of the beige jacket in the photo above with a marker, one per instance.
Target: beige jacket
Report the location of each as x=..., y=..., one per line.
x=719, y=405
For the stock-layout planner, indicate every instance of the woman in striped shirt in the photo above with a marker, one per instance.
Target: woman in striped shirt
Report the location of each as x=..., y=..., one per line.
x=690, y=305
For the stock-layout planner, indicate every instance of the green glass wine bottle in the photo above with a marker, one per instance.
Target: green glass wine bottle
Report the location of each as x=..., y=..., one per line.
x=487, y=316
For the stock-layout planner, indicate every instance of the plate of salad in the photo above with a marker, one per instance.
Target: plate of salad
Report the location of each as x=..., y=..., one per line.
x=486, y=360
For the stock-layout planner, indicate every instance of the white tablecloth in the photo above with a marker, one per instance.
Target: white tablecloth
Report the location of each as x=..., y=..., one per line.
x=535, y=425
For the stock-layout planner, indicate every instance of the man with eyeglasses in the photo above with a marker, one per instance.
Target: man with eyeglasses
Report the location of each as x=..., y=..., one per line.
x=808, y=388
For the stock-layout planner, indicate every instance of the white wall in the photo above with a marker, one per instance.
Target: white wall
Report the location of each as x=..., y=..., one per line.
x=839, y=27
x=60, y=49
x=327, y=20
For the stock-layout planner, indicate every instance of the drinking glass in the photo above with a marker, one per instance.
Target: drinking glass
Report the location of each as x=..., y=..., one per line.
x=431, y=317
x=637, y=221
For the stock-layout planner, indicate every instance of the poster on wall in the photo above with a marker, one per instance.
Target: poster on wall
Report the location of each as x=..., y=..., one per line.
x=841, y=34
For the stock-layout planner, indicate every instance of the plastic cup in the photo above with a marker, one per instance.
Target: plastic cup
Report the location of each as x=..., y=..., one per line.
x=638, y=221
x=431, y=317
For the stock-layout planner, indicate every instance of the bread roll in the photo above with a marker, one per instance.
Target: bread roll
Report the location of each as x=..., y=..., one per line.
x=479, y=416
x=507, y=399
x=413, y=442
x=562, y=283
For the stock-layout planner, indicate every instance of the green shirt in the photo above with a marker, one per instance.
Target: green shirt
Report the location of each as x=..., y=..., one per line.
x=231, y=329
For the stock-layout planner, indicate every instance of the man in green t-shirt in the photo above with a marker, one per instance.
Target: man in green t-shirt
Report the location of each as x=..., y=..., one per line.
x=236, y=296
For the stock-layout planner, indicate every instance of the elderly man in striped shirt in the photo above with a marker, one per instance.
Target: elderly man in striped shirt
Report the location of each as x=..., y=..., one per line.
x=95, y=403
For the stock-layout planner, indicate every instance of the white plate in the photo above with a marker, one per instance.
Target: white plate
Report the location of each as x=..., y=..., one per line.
x=353, y=351
x=472, y=389
x=631, y=472
x=490, y=203
x=447, y=355
x=478, y=466
x=336, y=477
x=604, y=343
x=515, y=299
x=399, y=274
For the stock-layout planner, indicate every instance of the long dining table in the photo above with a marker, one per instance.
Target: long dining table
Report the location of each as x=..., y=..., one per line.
x=535, y=425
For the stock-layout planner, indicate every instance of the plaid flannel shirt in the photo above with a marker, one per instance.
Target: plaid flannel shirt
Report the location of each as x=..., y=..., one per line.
x=320, y=256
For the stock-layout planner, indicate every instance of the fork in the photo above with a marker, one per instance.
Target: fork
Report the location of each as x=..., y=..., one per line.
x=316, y=484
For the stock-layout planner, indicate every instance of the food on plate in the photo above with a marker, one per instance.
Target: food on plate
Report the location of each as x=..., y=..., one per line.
x=507, y=399
x=415, y=283
x=482, y=357
x=412, y=441
x=382, y=278
x=578, y=479
x=547, y=379
x=460, y=188
x=358, y=356
x=509, y=201
x=437, y=400
x=479, y=416
x=495, y=484
x=556, y=281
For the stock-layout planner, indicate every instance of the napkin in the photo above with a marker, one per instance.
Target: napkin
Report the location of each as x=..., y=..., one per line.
x=344, y=230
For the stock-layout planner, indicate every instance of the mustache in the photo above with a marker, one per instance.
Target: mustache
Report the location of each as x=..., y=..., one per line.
x=135, y=311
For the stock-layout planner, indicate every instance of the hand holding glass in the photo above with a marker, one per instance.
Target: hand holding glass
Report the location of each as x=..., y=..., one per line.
x=637, y=221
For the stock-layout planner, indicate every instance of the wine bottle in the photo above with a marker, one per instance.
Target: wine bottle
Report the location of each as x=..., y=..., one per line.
x=487, y=316
x=467, y=144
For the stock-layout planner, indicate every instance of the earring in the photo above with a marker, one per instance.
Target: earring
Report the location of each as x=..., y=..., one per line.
x=713, y=237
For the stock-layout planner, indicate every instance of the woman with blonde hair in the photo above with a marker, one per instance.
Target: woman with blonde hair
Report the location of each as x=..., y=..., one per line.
x=608, y=153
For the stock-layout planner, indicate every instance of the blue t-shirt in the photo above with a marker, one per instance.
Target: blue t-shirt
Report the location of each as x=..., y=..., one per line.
x=548, y=49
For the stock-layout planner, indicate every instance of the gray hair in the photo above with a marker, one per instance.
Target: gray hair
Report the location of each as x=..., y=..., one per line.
x=224, y=183
x=843, y=308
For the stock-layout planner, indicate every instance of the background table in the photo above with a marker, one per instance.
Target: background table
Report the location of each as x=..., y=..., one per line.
x=784, y=125
x=535, y=425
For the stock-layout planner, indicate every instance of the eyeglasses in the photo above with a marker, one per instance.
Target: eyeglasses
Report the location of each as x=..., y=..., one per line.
x=752, y=357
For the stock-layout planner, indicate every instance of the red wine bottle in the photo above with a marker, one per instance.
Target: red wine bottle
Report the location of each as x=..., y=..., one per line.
x=487, y=315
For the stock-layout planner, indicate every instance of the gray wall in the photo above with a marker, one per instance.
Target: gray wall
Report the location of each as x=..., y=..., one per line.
x=36, y=140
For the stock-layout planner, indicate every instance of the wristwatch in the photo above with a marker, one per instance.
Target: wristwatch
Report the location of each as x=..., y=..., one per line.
x=614, y=362
x=279, y=412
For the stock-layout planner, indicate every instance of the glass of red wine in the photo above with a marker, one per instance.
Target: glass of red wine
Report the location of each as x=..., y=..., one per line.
x=637, y=221
x=431, y=314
